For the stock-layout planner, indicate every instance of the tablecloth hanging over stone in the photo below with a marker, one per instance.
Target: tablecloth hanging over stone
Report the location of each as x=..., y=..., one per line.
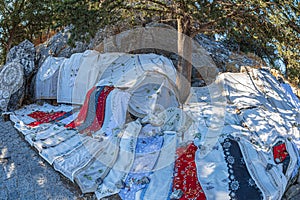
x=47, y=78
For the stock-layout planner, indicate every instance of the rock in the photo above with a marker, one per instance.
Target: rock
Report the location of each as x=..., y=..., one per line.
x=24, y=53
x=225, y=59
x=58, y=46
x=11, y=82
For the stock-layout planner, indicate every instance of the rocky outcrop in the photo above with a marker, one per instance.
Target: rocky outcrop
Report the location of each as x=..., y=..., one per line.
x=59, y=46
x=24, y=54
x=225, y=59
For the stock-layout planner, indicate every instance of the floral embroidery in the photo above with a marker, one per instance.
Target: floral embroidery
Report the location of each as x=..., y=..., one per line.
x=241, y=185
x=185, y=176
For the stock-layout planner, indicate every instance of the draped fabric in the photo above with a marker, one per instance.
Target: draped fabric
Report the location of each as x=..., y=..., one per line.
x=147, y=152
x=66, y=78
x=47, y=78
x=43, y=117
x=235, y=139
x=83, y=111
x=90, y=71
x=100, y=111
x=125, y=71
x=185, y=178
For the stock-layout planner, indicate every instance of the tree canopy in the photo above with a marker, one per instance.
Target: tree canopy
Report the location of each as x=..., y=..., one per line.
x=23, y=19
x=270, y=29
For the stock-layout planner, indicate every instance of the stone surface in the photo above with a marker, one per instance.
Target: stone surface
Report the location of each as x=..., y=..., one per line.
x=58, y=46
x=24, y=53
x=24, y=175
x=225, y=59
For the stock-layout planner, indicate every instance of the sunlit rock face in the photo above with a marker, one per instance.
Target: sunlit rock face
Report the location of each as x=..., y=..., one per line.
x=223, y=56
x=58, y=46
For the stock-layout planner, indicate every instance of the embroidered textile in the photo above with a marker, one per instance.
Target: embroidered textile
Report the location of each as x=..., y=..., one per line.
x=241, y=184
x=66, y=78
x=83, y=111
x=90, y=71
x=185, y=177
x=47, y=78
x=146, y=154
x=100, y=111
x=43, y=117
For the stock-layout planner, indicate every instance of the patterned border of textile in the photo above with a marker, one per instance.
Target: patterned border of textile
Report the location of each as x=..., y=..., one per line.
x=11, y=80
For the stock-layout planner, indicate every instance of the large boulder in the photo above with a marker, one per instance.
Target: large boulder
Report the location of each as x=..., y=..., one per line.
x=225, y=59
x=58, y=46
x=24, y=53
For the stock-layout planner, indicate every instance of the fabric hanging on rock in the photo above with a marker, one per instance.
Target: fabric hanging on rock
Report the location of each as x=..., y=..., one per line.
x=125, y=71
x=152, y=92
x=83, y=82
x=100, y=112
x=147, y=151
x=47, y=78
x=157, y=63
x=114, y=181
x=185, y=175
x=91, y=110
x=115, y=113
x=90, y=71
x=263, y=170
x=11, y=79
x=120, y=73
x=213, y=173
x=66, y=78
x=119, y=106
x=291, y=97
x=286, y=155
x=241, y=184
x=83, y=111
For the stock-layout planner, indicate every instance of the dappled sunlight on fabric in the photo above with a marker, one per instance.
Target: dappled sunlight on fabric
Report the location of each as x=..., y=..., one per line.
x=208, y=169
x=10, y=170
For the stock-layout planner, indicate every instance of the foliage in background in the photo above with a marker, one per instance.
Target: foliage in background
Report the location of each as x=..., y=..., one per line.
x=269, y=29
x=23, y=19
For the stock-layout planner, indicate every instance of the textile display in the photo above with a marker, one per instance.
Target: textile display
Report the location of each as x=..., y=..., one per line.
x=237, y=138
x=91, y=69
x=66, y=78
x=12, y=79
x=47, y=78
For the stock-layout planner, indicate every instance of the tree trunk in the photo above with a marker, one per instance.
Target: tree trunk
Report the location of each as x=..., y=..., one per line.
x=184, y=66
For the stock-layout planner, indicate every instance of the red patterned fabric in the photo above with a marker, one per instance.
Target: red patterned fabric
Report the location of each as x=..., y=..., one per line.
x=37, y=115
x=43, y=117
x=100, y=110
x=83, y=111
x=185, y=178
x=280, y=153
